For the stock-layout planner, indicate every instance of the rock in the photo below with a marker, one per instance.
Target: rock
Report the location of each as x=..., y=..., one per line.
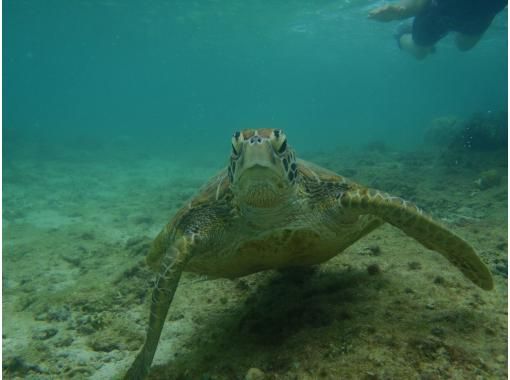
x=488, y=179
x=79, y=372
x=373, y=269
x=371, y=250
x=89, y=324
x=74, y=261
x=54, y=314
x=254, y=374
x=242, y=285
x=374, y=249
x=64, y=341
x=501, y=359
x=102, y=345
x=44, y=333
x=87, y=236
x=487, y=131
x=438, y=331
x=59, y=314
x=501, y=245
x=17, y=365
x=490, y=331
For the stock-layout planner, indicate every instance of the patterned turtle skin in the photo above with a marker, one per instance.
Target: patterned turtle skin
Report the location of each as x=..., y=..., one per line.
x=270, y=210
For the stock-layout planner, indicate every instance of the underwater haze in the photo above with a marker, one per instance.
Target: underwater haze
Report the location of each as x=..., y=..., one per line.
x=116, y=113
x=172, y=73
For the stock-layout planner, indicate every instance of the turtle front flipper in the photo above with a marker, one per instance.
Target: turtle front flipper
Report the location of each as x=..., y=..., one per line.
x=172, y=266
x=415, y=223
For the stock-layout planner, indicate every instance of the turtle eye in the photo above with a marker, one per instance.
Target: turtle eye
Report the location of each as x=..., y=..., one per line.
x=283, y=147
x=279, y=141
x=237, y=139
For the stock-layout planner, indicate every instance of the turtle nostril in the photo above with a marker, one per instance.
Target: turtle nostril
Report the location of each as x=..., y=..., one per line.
x=255, y=140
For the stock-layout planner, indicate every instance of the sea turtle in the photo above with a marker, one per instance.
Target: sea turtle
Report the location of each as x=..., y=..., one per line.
x=270, y=210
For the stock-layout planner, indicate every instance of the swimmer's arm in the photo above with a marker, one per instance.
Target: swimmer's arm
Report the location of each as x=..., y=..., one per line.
x=399, y=11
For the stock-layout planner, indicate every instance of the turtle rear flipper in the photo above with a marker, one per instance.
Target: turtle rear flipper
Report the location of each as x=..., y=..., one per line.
x=410, y=219
x=172, y=266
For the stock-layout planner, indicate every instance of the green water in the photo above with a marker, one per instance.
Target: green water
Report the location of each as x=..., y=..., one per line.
x=116, y=112
x=180, y=76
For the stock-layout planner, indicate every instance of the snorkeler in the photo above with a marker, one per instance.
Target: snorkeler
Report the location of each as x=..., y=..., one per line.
x=434, y=19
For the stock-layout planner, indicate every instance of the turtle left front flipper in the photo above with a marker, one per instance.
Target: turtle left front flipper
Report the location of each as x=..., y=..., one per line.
x=415, y=223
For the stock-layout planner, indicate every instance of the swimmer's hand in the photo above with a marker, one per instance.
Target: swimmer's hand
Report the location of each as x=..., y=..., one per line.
x=388, y=12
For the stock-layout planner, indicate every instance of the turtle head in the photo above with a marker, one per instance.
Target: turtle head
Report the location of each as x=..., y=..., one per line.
x=262, y=168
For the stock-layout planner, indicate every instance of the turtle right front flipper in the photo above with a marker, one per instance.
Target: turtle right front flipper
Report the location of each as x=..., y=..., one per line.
x=415, y=223
x=172, y=266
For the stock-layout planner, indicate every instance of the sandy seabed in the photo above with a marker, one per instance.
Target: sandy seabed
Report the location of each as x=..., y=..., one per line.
x=76, y=290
